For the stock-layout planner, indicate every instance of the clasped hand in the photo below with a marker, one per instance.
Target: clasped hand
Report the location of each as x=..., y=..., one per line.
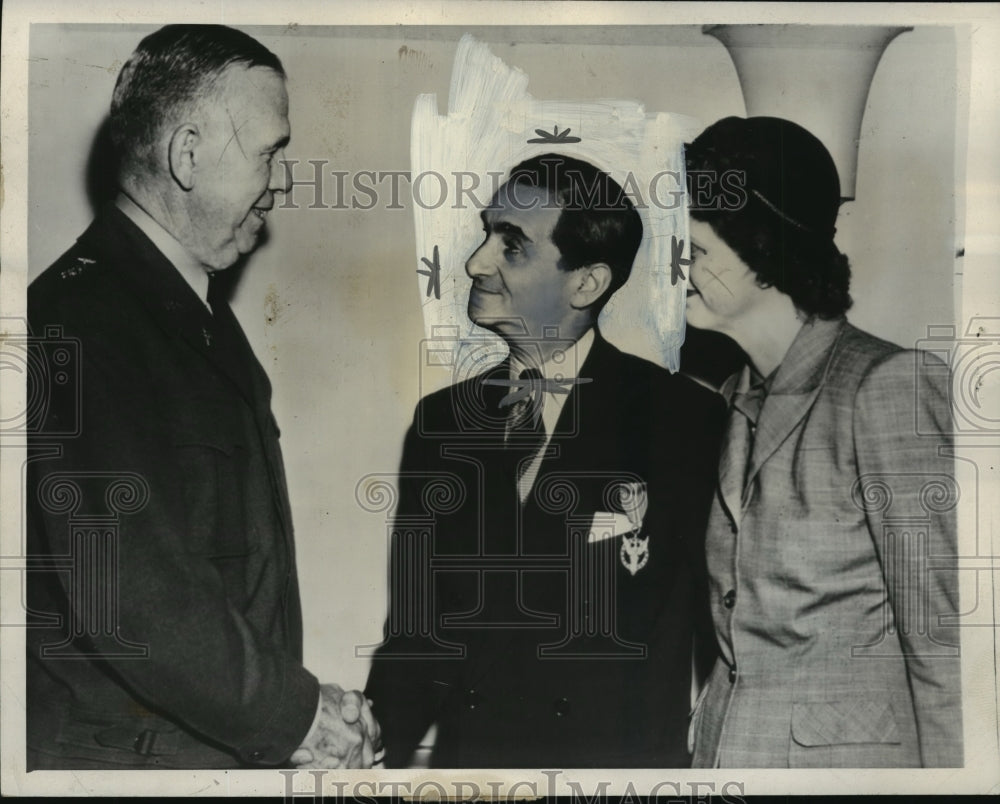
x=345, y=735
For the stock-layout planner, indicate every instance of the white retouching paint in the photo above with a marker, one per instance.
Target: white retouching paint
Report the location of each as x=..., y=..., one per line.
x=488, y=128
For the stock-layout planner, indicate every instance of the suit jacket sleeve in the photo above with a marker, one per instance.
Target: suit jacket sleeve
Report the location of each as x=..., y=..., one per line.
x=207, y=667
x=918, y=471
x=407, y=691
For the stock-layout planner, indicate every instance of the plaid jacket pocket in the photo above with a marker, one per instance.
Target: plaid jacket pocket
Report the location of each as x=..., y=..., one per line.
x=862, y=720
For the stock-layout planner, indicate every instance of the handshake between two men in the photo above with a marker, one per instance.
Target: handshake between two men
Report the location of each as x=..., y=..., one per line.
x=344, y=734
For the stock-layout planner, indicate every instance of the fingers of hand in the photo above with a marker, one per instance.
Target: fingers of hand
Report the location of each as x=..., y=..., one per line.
x=343, y=741
x=352, y=705
x=302, y=756
x=348, y=735
x=372, y=727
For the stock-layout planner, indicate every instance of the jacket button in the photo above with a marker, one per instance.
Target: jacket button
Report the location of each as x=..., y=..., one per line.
x=729, y=600
x=732, y=674
x=473, y=699
x=561, y=707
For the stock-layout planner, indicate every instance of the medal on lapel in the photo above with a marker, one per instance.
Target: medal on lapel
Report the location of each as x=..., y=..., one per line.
x=634, y=552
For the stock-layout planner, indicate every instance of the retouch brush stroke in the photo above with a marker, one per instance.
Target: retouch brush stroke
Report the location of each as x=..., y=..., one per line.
x=492, y=123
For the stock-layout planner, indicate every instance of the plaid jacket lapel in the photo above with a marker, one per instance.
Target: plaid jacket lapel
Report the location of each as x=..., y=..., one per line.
x=797, y=384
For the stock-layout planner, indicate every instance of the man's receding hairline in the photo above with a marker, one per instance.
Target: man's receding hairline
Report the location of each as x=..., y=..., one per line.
x=213, y=89
x=550, y=196
x=213, y=85
x=523, y=179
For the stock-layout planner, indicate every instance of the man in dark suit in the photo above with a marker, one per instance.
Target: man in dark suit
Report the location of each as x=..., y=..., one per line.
x=165, y=625
x=547, y=617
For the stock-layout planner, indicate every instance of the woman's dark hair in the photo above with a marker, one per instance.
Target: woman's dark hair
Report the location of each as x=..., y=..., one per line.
x=769, y=189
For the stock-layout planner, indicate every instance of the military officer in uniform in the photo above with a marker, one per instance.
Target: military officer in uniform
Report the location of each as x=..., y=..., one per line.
x=165, y=627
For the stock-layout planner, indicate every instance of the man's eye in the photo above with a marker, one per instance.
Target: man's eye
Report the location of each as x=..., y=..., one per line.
x=511, y=247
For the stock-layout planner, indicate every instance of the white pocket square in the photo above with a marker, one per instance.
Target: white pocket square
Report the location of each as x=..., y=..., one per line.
x=607, y=525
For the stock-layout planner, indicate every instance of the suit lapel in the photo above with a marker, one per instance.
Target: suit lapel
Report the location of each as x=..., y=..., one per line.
x=162, y=290
x=796, y=386
x=587, y=406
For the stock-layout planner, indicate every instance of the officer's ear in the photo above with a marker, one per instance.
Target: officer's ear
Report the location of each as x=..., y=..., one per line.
x=183, y=154
x=591, y=282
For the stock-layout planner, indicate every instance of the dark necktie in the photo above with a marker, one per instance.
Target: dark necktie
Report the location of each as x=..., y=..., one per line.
x=525, y=415
x=525, y=427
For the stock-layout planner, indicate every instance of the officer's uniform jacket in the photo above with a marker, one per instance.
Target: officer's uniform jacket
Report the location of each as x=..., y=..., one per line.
x=164, y=605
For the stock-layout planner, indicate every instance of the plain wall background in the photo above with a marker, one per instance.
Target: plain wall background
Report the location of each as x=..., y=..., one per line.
x=331, y=301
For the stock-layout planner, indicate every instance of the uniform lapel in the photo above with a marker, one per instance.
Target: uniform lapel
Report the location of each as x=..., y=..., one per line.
x=162, y=290
x=796, y=385
x=235, y=357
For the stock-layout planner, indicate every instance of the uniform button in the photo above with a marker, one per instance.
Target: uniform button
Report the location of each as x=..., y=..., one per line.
x=561, y=707
x=729, y=600
x=473, y=699
x=732, y=674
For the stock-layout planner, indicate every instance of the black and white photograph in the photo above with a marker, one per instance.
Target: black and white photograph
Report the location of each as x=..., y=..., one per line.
x=498, y=400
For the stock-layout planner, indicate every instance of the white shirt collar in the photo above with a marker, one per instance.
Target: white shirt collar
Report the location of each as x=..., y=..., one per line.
x=187, y=266
x=563, y=366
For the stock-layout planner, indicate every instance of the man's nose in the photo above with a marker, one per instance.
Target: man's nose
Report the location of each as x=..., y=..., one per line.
x=479, y=263
x=281, y=175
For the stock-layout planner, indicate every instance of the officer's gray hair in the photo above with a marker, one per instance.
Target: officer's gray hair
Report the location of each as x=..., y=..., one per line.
x=169, y=71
